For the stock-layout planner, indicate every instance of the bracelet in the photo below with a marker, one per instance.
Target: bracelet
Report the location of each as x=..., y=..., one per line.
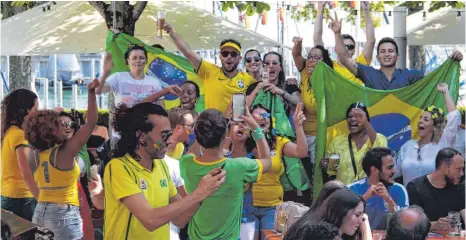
x=257, y=134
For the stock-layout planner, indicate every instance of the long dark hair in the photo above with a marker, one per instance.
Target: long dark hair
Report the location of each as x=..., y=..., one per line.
x=248, y=51
x=302, y=223
x=281, y=76
x=325, y=55
x=131, y=123
x=15, y=107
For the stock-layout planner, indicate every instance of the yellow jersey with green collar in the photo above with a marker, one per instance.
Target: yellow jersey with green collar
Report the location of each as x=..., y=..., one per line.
x=125, y=177
x=56, y=185
x=219, y=88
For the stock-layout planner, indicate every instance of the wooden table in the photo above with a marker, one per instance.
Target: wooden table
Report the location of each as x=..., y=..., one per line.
x=271, y=235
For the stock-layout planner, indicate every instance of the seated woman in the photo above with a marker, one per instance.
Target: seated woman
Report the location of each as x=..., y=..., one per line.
x=416, y=158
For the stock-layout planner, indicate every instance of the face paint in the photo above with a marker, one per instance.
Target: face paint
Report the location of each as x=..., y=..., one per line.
x=159, y=145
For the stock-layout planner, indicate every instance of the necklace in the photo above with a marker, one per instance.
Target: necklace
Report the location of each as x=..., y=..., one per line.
x=140, y=84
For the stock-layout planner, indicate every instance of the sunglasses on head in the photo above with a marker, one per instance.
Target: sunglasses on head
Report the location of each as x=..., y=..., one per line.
x=70, y=124
x=232, y=54
x=256, y=59
x=349, y=47
x=274, y=63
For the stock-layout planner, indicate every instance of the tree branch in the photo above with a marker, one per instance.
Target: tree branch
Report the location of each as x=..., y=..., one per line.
x=138, y=9
x=100, y=6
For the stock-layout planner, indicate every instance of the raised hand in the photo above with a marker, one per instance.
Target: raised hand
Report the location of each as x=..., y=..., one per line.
x=297, y=40
x=167, y=27
x=359, y=115
x=249, y=121
x=298, y=117
x=174, y=89
x=442, y=88
x=335, y=25
x=456, y=55
x=93, y=85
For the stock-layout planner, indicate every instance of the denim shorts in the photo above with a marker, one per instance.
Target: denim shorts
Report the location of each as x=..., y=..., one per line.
x=63, y=220
x=264, y=217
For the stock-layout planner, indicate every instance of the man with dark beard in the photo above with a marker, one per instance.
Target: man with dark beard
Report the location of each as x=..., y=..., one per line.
x=388, y=77
x=442, y=191
x=219, y=82
x=383, y=196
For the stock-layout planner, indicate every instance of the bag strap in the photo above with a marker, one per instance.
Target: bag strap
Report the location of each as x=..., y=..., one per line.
x=352, y=155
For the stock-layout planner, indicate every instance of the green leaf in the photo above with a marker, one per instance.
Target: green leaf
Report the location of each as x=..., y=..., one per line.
x=250, y=11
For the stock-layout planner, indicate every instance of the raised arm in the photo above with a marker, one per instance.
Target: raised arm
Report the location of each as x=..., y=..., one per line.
x=299, y=60
x=318, y=25
x=108, y=65
x=340, y=48
x=259, y=137
x=300, y=149
x=172, y=89
x=72, y=147
x=362, y=119
x=184, y=48
x=370, y=33
x=443, y=88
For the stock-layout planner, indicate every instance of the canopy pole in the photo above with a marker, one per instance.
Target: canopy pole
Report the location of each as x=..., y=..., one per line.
x=55, y=80
x=399, y=34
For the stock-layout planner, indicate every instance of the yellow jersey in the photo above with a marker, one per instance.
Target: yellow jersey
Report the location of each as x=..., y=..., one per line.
x=55, y=185
x=125, y=177
x=342, y=70
x=268, y=191
x=177, y=152
x=219, y=88
x=340, y=146
x=13, y=184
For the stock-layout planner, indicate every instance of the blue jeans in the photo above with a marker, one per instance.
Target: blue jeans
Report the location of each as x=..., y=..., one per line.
x=22, y=207
x=62, y=219
x=264, y=218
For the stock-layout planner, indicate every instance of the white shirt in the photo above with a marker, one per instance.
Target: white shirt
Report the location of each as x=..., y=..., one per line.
x=411, y=166
x=131, y=91
x=175, y=175
x=460, y=141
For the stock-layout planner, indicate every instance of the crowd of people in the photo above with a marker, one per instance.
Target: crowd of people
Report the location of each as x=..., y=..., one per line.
x=182, y=174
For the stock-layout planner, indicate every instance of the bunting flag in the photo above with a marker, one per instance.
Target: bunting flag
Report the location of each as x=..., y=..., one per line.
x=393, y=113
x=170, y=68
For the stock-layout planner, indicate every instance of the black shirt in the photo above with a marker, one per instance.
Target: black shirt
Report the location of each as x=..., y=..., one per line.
x=436, y=202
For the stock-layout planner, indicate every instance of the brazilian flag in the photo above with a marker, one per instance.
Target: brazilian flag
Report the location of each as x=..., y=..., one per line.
x=394, y=113
x=170, y=68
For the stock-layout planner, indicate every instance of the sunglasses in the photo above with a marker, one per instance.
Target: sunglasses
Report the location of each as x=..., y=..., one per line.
x=256, y=59
x=265, y=115
x=166, y=135
x=70, y=124
x=232, y=54
x=349, y=47
x=315, y=58
x=274, y=63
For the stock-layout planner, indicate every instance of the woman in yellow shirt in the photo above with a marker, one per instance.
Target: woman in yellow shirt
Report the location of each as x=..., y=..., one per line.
x=268, y=191
x=55, y=169
x=17, y=195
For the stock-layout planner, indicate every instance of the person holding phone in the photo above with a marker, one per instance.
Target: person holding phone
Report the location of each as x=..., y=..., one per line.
x=211, y=129
x=268, y=192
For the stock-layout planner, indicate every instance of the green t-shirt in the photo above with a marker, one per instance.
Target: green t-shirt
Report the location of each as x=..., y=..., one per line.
x=219, y=216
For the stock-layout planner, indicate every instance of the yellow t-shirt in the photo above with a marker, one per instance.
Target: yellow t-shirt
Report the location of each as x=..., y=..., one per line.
x=342, y=70
x=268, y=191
x=345, y=169
x=13, y=184
x=126, y=177
x=219, y=88
x=177, y=152
x=55, y=185
x=309, y=101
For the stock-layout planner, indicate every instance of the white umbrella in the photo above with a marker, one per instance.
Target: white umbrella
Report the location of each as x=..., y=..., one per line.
x=76, y=27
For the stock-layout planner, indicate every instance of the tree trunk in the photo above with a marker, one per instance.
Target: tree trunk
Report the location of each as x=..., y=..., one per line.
x=417, y=53
x=126, y=16
x=20, y=66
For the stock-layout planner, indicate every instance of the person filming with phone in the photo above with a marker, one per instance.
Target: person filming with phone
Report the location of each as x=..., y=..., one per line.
x=345, y=153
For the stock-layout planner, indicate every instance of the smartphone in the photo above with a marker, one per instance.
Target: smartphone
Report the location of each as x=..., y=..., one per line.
x=265, y=75
x=239, y=102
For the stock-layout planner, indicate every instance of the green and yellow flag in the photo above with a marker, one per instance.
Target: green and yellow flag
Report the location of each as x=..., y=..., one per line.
x=168, y=67
x=394, y=113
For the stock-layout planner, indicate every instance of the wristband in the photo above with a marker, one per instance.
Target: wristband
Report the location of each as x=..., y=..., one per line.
x=257, y=134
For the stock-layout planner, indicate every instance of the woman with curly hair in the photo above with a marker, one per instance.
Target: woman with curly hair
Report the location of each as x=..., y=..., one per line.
x=417, y=157
x=55, y=169
x=18, y=186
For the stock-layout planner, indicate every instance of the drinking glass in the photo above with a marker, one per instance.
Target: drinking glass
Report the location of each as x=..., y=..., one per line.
x=455, y=224
x=161, y=22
